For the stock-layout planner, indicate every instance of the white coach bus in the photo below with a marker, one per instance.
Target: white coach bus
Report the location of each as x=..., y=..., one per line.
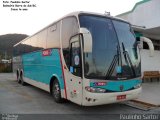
x=87, y=58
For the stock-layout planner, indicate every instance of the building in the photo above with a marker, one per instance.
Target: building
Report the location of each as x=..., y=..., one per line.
x=145, y=16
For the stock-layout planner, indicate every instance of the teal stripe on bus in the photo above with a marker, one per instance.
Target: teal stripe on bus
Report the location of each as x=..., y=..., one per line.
x=115, y=85
x=41, y=68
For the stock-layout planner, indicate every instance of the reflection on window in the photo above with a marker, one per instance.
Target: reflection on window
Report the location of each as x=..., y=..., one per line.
x=104, y=45
x=69, y=29
x=108, y=36
x=53, y=36
x=127, y=38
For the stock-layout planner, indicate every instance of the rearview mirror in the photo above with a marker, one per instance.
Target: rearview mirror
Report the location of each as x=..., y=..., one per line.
x=150, y=44
x=87, y=40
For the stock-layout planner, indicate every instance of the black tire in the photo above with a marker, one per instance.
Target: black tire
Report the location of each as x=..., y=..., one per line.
x=56, y=92
x=22, y=81
x=18, y=79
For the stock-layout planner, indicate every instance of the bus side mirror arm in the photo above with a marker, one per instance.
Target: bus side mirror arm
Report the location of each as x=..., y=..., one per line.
x=150, y=44
x=87, y=40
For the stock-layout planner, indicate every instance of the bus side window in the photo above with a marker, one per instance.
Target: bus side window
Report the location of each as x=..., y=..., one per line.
x=75, y=56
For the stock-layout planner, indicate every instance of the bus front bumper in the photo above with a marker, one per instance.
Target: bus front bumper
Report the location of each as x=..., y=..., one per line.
x=91, y=99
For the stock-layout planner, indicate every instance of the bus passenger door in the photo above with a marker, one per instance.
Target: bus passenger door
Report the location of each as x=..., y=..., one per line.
x=74, y=74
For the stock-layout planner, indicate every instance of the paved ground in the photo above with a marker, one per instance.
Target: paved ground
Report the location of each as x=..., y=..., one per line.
x=151, y=93
x=18, y=99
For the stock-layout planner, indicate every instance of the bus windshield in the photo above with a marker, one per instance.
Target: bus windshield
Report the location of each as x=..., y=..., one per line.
x=114, y=52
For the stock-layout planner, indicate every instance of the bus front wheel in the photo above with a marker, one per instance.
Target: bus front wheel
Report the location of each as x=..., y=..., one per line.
x=56, y=92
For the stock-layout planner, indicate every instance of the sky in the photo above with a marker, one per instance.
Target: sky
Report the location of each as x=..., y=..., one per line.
x=47, y=11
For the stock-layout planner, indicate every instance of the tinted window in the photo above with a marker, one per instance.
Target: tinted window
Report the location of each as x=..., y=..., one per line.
x=75, y=54
x=69, y=28
x=53, y=36
x=34, y=43
x=105, y=45
x=41, y=40
x=115, y=54
x=131, y=59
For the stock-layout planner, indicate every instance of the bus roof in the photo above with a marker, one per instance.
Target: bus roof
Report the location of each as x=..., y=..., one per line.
x=74, y=14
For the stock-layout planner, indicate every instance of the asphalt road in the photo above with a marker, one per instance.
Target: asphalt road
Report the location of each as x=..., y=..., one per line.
x=29, y=102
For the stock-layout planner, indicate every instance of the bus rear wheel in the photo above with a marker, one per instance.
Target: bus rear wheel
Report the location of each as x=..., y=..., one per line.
x=56, y=92
x=18, y=78
x=22, y=81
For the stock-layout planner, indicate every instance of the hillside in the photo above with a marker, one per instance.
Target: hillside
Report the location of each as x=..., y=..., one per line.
x=6, y=44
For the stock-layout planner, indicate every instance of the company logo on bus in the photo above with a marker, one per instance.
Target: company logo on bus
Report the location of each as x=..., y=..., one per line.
x=121, y=88
x=99, y=83
x=46, y=52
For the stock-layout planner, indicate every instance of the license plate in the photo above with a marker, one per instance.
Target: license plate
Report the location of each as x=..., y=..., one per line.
x=121, y=97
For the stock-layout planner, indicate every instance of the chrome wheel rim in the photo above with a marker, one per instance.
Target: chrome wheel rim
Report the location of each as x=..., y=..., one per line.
x=56, y=91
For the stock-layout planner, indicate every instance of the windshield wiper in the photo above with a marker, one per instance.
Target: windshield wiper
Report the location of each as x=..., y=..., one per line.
x=112, y=66
x=128, y=59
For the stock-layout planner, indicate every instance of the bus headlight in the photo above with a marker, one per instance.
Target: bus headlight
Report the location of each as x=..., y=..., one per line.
x=137, y=86
x=95, y=90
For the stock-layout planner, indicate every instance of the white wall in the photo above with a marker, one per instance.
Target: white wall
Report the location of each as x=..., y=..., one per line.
x=150, y=63
x=146, y=14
